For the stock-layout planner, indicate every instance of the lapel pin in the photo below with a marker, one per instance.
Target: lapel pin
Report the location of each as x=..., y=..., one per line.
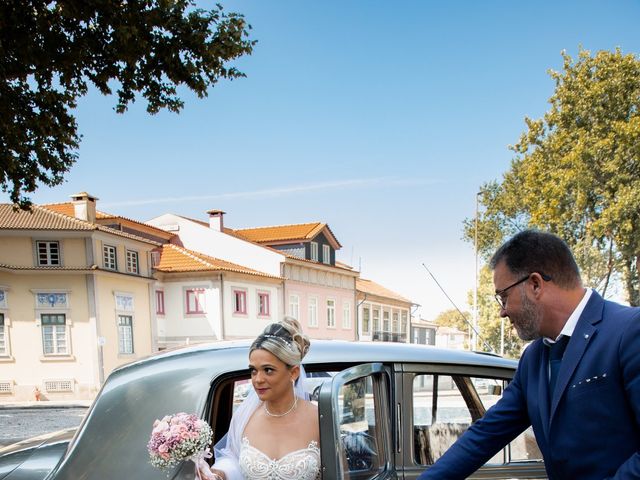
x=586, y=335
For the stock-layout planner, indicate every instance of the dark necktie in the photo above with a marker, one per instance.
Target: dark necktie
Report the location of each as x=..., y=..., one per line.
x=556, y=351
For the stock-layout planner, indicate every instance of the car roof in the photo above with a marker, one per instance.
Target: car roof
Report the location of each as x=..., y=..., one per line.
x=337, y=351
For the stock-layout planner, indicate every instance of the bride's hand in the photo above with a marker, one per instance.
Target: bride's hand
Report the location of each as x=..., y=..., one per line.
x=209, y=473
x=218, y=474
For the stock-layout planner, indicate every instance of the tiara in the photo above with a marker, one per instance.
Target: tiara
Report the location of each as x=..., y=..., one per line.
x=289, y=344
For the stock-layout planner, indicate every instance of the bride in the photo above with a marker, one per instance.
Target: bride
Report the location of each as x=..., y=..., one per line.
x=274, y=434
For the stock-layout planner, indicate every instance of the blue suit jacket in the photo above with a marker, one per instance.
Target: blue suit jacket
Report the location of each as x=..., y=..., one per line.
x=591, y=427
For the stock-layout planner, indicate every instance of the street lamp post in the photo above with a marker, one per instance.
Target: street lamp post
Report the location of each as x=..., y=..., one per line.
x=475, y=283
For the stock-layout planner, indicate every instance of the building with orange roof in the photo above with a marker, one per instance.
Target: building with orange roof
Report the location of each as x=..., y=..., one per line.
x=74, y=299
x=200, y=298
x=317, y=291
x=384, y=314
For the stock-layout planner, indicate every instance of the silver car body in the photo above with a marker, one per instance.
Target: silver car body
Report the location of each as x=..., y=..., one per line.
x=111, y=441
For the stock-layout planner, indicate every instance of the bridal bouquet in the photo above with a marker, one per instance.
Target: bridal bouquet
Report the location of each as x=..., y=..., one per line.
x=179, y=437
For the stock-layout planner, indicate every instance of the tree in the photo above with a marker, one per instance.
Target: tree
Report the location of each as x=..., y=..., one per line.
x=455, y=319
x=576, y=171
x=52, y=51
x=496, y=333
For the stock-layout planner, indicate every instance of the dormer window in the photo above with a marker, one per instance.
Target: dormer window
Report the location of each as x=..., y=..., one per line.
x=314, y=251
x=326, y=254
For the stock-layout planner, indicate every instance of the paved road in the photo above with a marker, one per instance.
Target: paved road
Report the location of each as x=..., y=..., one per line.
x=19, y=423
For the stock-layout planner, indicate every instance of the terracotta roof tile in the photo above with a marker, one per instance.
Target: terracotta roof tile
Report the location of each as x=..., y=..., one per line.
x=66, y=208
x=45, y=218
x=81, y=268
x=314, y=262
x=301, y=231
x=372, y=288
x=178, y=259
x=132, y=236
x=39, y=218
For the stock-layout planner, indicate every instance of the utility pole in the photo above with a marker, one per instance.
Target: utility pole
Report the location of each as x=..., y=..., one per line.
x=474, y=335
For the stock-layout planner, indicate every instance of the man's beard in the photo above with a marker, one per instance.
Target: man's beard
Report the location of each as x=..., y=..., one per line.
x=527, y=321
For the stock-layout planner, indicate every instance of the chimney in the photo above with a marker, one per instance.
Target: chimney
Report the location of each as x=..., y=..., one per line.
x=216, y=220
x=84, y=206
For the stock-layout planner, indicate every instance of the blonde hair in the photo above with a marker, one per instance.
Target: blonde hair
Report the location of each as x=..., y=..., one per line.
x=285, y=340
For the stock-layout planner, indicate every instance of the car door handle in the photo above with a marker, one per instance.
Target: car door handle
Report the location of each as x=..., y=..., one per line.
x=398, y=427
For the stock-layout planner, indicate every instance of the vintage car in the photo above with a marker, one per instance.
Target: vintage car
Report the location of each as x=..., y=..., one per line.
x=392, y=409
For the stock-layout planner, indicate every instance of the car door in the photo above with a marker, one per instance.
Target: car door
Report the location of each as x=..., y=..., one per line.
x=356, y=424
x=441, y=401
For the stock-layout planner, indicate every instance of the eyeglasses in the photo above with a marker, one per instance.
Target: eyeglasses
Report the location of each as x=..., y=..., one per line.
x=501, y=298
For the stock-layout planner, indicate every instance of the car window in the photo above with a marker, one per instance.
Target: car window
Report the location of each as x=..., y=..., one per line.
x=360, y=430
x=312, y=384
x=524, y=447
x=315, y=380
x=444, y=406
x=440, y=416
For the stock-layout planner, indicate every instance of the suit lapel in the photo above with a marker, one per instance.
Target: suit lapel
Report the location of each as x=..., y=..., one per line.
x=582, y=335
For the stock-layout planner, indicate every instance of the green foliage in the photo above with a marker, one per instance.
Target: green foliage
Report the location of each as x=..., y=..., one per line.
x=490, y=325
x=577, y=171
x=453, y=318
x=51, y=52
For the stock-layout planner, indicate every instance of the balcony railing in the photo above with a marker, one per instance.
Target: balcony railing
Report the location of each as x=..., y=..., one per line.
x=389, y=337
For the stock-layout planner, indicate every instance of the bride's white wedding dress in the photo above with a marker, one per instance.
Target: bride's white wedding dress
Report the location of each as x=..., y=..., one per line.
x=303, y=464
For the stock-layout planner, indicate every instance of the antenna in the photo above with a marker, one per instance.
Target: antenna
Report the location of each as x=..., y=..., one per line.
x=459, y=311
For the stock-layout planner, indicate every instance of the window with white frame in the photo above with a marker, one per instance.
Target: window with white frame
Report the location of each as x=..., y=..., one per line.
x=109, y=257
x=331, y=313
x=376, y=320
x=159, y=302
x=366, y=320
x=54, y=334
x=4, y=347
x=346, y=315
x=396, y=324
x=404, y=322
x=385, y=321
x=48, y=253
x=125, y=334
x=313, y=312
x=314, y=251
x=326, y=254
x=195, y=301
x=240, y=302
x=294, y=306
x=263, y=304
x=132, y=262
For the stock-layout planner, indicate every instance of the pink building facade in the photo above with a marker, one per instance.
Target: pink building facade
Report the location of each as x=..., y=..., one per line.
x=321, y=298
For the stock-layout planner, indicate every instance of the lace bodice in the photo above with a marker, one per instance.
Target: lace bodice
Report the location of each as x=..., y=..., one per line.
x=303, y=464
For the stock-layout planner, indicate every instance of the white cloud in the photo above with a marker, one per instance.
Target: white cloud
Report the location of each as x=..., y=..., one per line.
x=281, y=191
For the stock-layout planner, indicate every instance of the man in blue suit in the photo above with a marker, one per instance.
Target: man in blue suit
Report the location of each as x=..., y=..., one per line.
x=588, y=424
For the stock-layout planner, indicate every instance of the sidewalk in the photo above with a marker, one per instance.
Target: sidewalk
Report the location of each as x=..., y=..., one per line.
x=46, y=404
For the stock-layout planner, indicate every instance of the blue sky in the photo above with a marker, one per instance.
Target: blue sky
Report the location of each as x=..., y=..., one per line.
x=381, y=119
